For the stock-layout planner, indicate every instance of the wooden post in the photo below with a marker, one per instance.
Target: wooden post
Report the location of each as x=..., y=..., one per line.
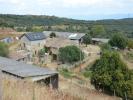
x=114, y=93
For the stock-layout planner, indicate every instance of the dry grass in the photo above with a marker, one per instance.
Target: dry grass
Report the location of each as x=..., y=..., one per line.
x=19, y=90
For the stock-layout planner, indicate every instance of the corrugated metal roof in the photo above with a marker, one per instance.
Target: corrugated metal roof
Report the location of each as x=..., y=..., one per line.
x=76, y=36
x=35, y=36
x=23, y=70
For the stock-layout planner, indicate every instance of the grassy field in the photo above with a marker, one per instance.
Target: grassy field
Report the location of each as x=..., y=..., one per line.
x=20, y=90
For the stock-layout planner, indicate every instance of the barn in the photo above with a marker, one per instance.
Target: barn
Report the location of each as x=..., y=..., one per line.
x=27, y=72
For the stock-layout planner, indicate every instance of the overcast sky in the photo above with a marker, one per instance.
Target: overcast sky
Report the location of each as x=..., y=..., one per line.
x=77, y=9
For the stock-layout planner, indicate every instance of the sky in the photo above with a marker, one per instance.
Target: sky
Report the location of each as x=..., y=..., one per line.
x=76, y=9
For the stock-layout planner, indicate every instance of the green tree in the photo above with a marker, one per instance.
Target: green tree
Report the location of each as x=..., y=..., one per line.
x=70, y=54
x=52, y=35
x=87, y=39
x=112, y=75
x=3, y=50
x=98, y=31
x=118, y=40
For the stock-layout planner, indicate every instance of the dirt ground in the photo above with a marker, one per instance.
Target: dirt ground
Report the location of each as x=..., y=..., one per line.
x=127, y=61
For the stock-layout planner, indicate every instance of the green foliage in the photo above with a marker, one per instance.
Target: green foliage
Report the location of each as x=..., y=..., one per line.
x=29, y=29
x=42, y=52
x=3, y=50
x=52, y=23
x=70, y=54
x=130, y=43
x=118, y=40
x=65, y=73
x=52, y=35
x=87, y=39
x=87, y=74
x=98, y=30
x=112, y=74
x=105, y=47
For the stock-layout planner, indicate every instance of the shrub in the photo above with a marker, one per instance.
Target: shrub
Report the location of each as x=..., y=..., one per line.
x=112, y=74
x=118, y=40
x=3, y=49
x=70, y=54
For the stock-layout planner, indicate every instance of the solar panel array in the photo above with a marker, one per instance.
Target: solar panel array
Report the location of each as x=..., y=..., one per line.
x=23, y=70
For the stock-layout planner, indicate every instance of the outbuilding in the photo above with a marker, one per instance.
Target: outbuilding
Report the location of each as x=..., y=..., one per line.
x=28, y=72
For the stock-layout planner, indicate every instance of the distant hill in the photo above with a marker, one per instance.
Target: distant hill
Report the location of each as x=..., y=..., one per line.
x=65, y=24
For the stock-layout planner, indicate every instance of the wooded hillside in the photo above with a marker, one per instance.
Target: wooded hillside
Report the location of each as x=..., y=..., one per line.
x=40, y=23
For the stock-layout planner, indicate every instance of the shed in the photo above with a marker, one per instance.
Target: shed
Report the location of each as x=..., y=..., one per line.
x=29, y=72
x=99, y=40
x=7, y=40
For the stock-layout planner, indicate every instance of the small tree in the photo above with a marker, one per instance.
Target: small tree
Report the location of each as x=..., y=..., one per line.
x=52, y=35
x=87, y=39
x=118, y=40
x=70, y=54
x=3, y=50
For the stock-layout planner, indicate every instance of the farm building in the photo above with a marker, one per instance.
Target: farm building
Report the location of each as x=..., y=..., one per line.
x=32, y=41
x=27, y=72
x=76, y=37
x=54, y=44
x=99, y=40
x=7, y=40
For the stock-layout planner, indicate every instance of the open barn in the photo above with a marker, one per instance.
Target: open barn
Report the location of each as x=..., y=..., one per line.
x=28, y=72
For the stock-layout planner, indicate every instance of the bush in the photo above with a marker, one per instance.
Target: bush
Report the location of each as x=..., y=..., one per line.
x=52, y=35
x=112, y=74
x=70, y=54
x=87, y=39
x=130, y=44
x=3, y=50
x=118, y=40
x=87, y=74
x=65, y=73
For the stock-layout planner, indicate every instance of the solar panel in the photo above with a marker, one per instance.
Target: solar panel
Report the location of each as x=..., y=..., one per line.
x=35, y=36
